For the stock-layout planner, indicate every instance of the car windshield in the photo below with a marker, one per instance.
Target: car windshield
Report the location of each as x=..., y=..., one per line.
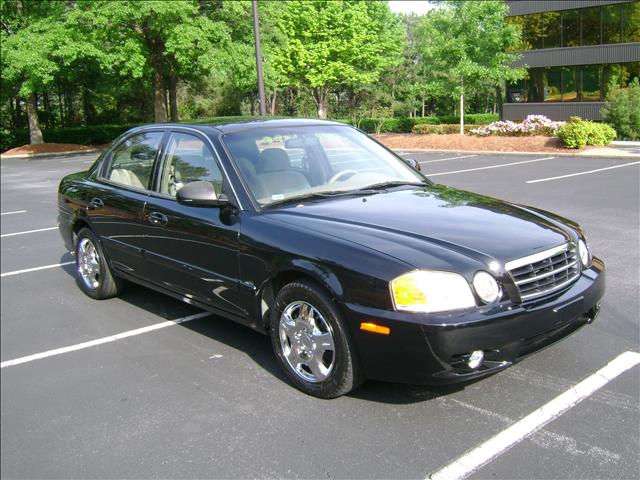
x=286, y=163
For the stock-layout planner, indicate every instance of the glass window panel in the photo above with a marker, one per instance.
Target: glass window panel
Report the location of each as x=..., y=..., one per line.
x=535, y=85
x=571, y=28
x=631, y=21
x=553, y=85
x=516, y=92
x=534, y=30
x=629, y=71
x=591, y=26
x=608, y=73
x=188, y=160
x=518, y=22
x=132, y=161
x=552, y=30
x=612, y=24
x=591, y=75
x=570, y=84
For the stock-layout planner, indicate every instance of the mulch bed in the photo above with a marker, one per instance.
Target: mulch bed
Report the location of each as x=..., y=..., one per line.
x=473, y=143
x=49, y=148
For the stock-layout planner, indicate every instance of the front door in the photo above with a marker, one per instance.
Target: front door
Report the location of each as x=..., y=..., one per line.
x=192, y=250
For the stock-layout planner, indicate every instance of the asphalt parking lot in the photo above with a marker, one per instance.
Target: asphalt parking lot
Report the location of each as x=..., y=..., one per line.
x=205, y=398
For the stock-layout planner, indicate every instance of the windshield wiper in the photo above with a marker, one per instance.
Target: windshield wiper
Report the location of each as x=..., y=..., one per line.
x=393, y=183
x=320, y=195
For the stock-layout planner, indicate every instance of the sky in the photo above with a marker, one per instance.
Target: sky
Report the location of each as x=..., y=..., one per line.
x=410, y=6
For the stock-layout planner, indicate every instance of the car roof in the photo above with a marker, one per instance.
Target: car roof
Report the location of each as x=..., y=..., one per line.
x=252, y=124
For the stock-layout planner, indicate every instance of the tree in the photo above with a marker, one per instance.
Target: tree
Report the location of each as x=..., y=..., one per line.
x=337, y=43
x=37, y=44
x=165, y=41
x=466, y=43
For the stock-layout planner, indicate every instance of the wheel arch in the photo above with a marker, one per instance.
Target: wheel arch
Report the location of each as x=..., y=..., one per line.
x=322, y=276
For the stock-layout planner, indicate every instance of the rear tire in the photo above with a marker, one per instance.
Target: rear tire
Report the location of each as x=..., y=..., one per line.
x=311, y=342
x=94, y=277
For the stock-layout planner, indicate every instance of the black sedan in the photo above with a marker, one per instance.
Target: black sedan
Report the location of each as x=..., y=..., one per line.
x=354, y=263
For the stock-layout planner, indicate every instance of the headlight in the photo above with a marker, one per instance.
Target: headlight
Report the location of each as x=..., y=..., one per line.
x=486, y=287
x=583, y=251
x=423, y=291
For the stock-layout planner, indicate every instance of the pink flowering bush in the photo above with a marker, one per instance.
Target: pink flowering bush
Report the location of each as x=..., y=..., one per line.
x=532, y=125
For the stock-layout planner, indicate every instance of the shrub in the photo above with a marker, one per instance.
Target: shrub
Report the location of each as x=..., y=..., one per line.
x=622, y=110
x=439, y=129
x=406, y=124
x=532, y=125
x=578, y=133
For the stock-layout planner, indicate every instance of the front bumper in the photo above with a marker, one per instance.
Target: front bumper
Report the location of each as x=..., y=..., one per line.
x=432, y=348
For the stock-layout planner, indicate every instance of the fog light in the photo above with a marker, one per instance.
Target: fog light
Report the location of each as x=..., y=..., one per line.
x=475, y=359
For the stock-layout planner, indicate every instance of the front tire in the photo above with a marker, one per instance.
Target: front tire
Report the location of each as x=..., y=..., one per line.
x=311, y=342
x=94, y=275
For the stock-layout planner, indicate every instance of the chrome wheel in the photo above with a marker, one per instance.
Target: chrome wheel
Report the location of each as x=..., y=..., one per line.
x=88, y=263
x=307, y=342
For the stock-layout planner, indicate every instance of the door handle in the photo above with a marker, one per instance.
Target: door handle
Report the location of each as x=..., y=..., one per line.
x=158, y=218
x=96, y=203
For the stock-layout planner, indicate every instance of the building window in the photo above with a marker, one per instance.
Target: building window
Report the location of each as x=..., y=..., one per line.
x=591, y=26
x=607, y=24
x=571, y=28
x=552, y=30
x=612, y=24
x=585, y=83
x=631, y=22
x=534, y=31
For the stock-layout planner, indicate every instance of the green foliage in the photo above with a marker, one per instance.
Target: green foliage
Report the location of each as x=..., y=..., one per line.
x=443, y=129
x=622, y=110
x=578, y=133
x=337, y=43
x=406, y=124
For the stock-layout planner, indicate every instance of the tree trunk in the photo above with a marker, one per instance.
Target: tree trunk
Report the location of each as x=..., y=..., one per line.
x=88, y=107
x=462, y=106
x=272, y=107
x=499, y=100
x=320, y=96
x=159, y=97
x=173, y=97
x=253, y=104
x=60, y=106
x=423, y=107
x=35, y=134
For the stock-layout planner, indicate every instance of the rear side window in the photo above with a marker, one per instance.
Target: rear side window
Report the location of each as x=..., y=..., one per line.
x=132, y=161
x=188, y=159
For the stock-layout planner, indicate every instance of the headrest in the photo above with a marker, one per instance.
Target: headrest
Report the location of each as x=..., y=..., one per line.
x=274, y=160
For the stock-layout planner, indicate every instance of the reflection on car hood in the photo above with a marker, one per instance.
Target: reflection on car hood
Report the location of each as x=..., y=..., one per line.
x=435, y=222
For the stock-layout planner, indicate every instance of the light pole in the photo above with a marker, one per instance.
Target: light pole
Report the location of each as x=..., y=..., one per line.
x=256, y=32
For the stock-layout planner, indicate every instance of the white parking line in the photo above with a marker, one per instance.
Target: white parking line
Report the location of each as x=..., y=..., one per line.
x=490, y=166
x=481, y=455
x=35, y=269
x=100, y=341
x=448, y=158
x=582, y=173
x=27, y=231
x=13, y=213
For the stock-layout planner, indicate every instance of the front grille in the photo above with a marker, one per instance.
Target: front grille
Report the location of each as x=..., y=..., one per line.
x=545, y=272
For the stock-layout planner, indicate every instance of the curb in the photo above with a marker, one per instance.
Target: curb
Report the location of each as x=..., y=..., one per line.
x=586, y=153
x=54, y=154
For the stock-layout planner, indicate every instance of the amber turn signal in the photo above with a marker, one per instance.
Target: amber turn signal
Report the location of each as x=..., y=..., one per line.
x=372, y=327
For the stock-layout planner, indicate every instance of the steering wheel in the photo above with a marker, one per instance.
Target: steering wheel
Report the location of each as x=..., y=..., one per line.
x=341, y=174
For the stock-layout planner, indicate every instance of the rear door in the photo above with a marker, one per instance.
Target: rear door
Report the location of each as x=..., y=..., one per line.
x=116, y=205
x=193, y=250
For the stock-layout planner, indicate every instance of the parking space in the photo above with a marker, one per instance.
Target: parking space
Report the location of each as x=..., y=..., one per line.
x=206, y=399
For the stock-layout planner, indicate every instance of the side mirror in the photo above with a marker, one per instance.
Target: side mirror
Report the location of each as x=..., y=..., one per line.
x=201, y=194
x=413, y=163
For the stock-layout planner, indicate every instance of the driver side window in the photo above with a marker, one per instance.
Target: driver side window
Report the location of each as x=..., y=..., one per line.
x=188, y=159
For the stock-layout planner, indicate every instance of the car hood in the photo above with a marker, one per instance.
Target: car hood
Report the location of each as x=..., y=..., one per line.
x=430, y=227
